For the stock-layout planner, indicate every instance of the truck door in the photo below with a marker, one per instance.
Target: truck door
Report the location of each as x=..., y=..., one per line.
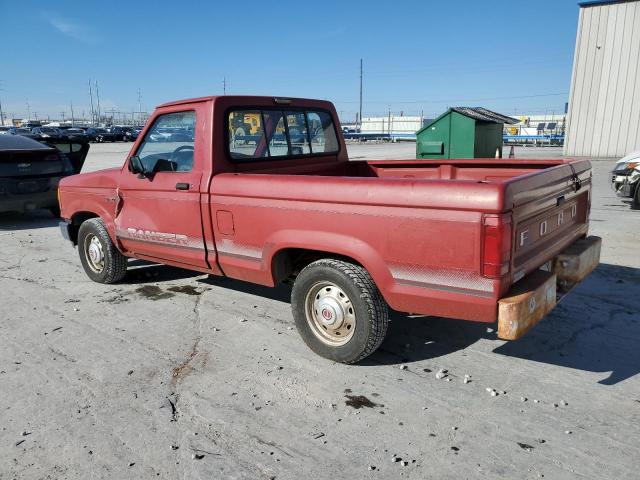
x=159, y=212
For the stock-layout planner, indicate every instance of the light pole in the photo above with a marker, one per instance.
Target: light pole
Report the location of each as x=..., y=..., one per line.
x=360, y=114
x=1, y=113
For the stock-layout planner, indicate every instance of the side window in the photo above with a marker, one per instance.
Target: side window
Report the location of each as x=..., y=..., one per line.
x=322, y=132
x=168, y=145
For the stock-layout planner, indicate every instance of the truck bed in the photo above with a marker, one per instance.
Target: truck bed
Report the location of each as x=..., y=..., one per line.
x=417, y=225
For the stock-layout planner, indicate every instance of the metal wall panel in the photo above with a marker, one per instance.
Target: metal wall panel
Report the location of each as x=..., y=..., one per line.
x=604, y=102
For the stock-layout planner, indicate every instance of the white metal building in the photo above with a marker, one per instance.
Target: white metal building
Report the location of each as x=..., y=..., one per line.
x=604, y=102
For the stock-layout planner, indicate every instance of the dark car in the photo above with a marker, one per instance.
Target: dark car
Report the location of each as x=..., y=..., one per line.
x=47, y=133
x=119, y=133
x=30, y=172
x=23, y=132
x=130, y=133
x=77, y=134
x=99, y=134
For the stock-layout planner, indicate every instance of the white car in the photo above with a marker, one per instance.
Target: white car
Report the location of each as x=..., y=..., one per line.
x=625, y=178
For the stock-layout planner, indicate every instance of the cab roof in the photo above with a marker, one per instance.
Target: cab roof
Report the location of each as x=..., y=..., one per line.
x=244, y=98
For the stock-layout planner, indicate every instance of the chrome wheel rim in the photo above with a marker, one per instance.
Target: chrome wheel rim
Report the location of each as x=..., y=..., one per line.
x=94, y=253
x=330, y=314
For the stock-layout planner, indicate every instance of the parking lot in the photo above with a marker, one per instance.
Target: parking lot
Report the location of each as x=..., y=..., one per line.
x=174, y=374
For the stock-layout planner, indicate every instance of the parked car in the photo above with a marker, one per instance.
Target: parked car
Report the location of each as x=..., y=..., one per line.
x=4, y=129
x=47, y=133
x=77, y=134
x=472, y=239
x=118, y=133
x=99, y=134
x=625, y=178
x=24, y=132
x=130, y=133
x=30, y=172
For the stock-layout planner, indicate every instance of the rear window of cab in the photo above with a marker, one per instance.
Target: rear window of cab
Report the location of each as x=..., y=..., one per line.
x=255, y=134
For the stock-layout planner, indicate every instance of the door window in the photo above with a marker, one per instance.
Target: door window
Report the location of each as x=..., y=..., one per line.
x=168, y=144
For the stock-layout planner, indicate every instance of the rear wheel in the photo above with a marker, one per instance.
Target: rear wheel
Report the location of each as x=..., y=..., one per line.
x=100, y=258
x=339, y=311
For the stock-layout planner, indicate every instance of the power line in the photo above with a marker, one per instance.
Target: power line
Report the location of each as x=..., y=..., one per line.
x=458, y=99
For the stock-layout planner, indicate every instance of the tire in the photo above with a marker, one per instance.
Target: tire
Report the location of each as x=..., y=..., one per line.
x=343, y=293
x=109, y=266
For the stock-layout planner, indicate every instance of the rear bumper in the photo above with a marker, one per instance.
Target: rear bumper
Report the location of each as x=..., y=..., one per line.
x=536, y=295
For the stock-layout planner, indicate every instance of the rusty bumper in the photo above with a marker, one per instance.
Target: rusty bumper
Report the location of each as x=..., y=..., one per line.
x=533, y=297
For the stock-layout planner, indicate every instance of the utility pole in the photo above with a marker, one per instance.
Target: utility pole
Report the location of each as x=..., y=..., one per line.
x=91, y=97
x=72, y=117
x=1, y=114
x=139, y=106
x=62, y=113
x=98, y=101
x=28, y=111
x=360, y=115
x=224, y=85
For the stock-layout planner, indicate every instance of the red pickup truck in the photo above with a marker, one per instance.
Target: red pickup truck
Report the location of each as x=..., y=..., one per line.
x=261, y=189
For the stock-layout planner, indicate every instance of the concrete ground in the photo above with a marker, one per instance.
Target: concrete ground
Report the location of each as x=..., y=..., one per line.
x=173, y=374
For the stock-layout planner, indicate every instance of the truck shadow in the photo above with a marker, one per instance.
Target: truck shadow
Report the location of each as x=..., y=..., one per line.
x=596, y=328
x=27, y=221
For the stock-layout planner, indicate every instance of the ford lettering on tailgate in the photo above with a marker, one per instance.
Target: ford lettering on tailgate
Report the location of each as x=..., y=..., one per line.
x=549, y=225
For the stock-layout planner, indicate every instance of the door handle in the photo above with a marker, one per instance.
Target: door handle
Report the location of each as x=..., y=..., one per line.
x=182, y=186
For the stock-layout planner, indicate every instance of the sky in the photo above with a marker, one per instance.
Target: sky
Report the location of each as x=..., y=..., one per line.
x=419, y=57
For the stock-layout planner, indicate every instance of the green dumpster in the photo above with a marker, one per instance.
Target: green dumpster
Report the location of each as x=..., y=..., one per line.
x=462, y=132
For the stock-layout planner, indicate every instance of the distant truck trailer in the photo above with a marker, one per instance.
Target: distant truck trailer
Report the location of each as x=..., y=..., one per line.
x=392, y=127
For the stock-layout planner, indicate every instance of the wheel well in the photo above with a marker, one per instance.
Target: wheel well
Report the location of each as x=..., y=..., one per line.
x=76, y=220
x=288, y=262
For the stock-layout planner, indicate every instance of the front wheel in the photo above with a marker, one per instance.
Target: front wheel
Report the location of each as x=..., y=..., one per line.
x=339, y=311
x=100, y=258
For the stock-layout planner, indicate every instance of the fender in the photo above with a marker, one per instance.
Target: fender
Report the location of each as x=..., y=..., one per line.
x=92, y=193
x=100, y=204
x=332, y=243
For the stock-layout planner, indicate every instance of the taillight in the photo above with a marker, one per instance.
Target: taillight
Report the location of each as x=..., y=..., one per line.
x=496, y=248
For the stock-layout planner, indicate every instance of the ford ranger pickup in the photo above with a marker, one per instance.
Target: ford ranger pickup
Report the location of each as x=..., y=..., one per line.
x=261, y=189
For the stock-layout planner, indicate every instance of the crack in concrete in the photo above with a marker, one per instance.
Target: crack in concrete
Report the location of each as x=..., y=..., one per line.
x=185, y=368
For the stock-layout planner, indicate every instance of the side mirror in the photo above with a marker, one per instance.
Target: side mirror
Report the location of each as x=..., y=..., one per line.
x=136, y=166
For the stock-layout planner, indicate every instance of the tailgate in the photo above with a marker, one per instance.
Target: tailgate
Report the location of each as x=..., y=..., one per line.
x=550, y=211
